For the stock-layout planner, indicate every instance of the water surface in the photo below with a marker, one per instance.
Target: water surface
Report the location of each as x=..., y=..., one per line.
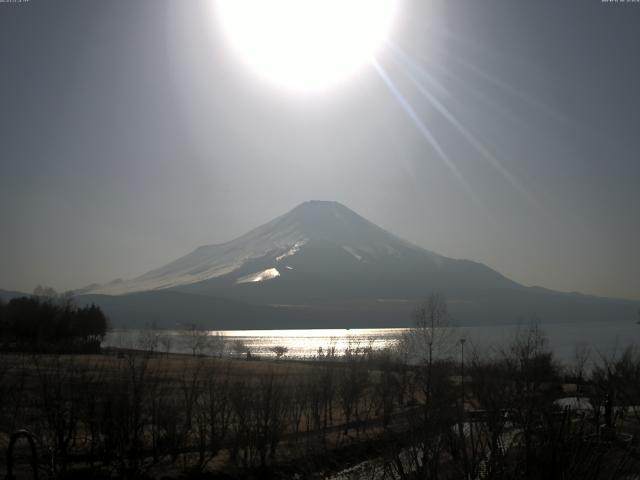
x=602, y=338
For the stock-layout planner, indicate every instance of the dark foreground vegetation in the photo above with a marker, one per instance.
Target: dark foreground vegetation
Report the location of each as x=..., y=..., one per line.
x=422, y=411
x=48, y=322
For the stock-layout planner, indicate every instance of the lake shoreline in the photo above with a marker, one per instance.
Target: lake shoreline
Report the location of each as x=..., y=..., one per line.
x=602, y=338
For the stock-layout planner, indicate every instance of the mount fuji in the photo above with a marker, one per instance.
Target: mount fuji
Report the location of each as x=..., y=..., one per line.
x=323, y=265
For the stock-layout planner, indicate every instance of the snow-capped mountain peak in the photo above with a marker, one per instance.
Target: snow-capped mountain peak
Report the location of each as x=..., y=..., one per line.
x=317, y=222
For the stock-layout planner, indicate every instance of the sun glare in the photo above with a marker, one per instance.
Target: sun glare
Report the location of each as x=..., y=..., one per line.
x=306, y=45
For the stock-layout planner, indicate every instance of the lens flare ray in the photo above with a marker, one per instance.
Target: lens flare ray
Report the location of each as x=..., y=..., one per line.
x=507, y=87
x=423, y=129
x=470, y=137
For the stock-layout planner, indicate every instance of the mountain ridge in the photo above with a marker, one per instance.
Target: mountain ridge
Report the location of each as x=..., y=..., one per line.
x=322, y=264
x=314, y=220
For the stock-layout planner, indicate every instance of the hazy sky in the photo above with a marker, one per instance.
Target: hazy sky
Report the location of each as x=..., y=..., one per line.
x=130, y=134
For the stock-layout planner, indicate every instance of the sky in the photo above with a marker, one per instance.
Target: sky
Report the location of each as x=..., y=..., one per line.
x=130, y=134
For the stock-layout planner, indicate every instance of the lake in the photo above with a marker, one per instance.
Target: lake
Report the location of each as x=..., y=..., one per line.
x=602, y=338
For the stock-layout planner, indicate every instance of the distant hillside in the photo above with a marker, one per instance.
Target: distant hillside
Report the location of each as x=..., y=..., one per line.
x=168, y=309
x=6, y=295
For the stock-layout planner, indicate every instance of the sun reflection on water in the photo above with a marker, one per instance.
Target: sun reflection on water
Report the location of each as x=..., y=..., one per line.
x=306, y=343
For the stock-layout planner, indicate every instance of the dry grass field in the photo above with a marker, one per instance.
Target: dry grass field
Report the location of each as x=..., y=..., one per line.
x=126, y=413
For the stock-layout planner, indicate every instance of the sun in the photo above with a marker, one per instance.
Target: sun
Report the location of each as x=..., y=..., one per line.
x=306, y=45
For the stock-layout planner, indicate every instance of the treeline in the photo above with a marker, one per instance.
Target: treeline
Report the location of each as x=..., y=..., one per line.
x=422, y=410
x=144, y=416
x=51, y=323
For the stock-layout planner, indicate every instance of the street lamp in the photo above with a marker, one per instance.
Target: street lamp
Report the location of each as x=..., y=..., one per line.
x=462, y=435
x=462, y=341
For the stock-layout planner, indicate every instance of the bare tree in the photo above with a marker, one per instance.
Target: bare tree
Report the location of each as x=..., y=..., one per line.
x=167, y=342
x=56, y=379
x=197, y=338
x=531, y=370
x=45, y=293
x=615, y=380
x=432, y=336
x=240, y=348
x=148, y=340
x=352, y=382
x=269, y=414
x=386, y=388
x=279, y=351
x=430, y=423
x=299, y=394
x=217, y=344
x=577, y=368
x=217, y=405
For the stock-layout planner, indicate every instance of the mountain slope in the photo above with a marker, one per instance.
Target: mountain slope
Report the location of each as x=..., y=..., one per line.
x=316, y=238
x=321, y=263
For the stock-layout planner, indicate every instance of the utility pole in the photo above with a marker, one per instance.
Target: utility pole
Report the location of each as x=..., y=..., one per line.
x=463, y=440
x=462, y=340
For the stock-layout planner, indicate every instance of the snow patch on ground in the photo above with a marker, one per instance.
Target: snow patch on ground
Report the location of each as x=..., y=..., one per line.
x=353, y=252
x=292, y=251
x=167, y=281
x=268, y=274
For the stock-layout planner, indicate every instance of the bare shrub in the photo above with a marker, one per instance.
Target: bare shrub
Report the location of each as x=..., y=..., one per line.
x=279, y=351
